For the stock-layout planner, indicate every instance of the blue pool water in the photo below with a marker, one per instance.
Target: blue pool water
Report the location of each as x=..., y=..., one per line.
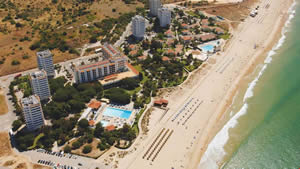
x=114, y=112
x=104, y=123
x=207, y=48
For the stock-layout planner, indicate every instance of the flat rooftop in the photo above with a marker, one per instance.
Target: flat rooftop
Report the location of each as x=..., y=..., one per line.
x=31, y=100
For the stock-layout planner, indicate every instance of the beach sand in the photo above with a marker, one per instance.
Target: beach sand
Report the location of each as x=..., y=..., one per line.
x=211, y=91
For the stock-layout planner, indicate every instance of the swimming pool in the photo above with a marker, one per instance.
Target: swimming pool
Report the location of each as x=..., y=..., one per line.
x=104, y=123
x=114, y=112
x=207, y=48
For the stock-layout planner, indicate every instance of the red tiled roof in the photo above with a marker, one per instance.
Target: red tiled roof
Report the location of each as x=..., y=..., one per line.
x=207, y=37
x=204, y=22
x=94, y=104
x=132, y=46
x=219, y=30
x=132, y=69
x=158, y=102
x=165, y=58
x=164, y=101
x=170, y=51
x=161, y=101
x=184, y=25
x=110, y=128
x=91, y=122
x=142, y=57
x=109, y=77
x=93, y=65
x=134, y=52
x=186, y=38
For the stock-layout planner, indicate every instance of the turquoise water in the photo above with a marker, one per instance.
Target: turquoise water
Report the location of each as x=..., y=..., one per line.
x=114, y=112
x=267, y=135
x=207, y=48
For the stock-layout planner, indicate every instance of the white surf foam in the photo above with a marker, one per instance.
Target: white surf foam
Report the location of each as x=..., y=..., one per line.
x=215, y=151
x=250, y=89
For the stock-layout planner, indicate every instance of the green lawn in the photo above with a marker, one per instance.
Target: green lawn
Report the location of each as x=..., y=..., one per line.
x=36, y=139
x=225, y=36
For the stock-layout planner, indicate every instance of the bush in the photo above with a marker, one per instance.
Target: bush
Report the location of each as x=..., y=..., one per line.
x=76, y=145
x=67, y=149
x=129, y=83
x=15, y=62
x=87, y=149
x=83, y=123
x=16, y=125
x=25, y=56
x=93, y=39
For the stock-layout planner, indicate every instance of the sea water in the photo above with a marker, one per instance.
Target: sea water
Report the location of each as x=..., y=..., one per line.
x=263, y=130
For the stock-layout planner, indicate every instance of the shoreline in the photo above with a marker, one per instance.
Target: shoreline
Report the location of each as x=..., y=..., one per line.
x=259, y=58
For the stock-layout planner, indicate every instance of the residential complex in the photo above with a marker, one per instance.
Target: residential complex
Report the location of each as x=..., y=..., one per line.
x=39, y=84
x=154, y=6
x=114, y=62
x=45, y=61
x=32, y=112
x=138, y=27
x=164, y=15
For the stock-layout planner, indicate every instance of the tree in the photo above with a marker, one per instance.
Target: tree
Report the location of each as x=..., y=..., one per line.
x=129, y=83
x=118, y=95
x=83, y=123
x=67, y=149
x=93, y=39
x=16, y=125
x=76, y=145
x=87, y=149
x=98, y=130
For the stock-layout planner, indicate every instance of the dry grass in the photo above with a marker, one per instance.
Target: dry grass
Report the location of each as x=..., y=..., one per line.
x=11, y=160
x=3, y=105
x=233, y=12
x=12, y=49
x=93, y=154
x=5, y=147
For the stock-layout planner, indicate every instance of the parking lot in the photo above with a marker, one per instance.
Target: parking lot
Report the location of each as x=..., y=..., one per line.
x=62, y=161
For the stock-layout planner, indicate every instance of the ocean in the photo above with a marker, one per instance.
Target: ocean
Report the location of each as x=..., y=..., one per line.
x=263, y=130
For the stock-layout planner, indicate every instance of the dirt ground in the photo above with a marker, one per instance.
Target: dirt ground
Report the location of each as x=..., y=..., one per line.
x=93, y=154
x=10, y=159
x=235, y=13
x=3, y=105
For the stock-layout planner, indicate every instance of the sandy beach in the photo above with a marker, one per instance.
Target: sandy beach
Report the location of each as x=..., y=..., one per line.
x=180, y=137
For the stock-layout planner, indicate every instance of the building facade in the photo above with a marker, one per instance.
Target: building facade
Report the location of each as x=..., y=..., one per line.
x=33, y=113
x=45, y=61
x=138, y=27
x=115, y=62
x=40, y=85
x=154, y=6
x=164, y=15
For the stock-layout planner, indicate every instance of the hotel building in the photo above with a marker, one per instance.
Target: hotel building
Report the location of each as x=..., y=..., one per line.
x=39, y=84
x=114, y=62
x=32, y=111
x=164, y=15
x=45, y=61
x=138, y=27
x=154, y=6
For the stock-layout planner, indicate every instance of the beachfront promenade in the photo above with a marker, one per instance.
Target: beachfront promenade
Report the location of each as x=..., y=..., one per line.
x=181, y=137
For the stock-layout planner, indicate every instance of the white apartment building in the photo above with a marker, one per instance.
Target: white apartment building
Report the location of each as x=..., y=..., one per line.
x=45, y=61
x=40, y=85
x=154, y=6
x=114, y=62
x=32, y=111
x=164, y=15
x=138, y=27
